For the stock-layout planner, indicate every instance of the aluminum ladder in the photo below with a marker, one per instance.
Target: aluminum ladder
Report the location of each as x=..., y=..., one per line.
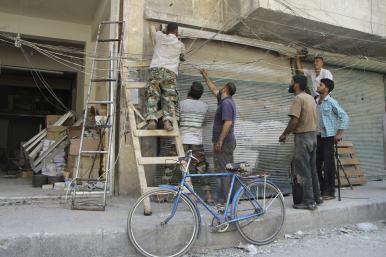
x=89, y=193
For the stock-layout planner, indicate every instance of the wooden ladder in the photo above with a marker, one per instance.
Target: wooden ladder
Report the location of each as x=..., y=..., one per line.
x=137, y=130
x=349, y=170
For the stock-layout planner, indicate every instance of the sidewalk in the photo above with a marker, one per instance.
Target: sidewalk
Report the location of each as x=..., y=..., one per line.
x=46, y=229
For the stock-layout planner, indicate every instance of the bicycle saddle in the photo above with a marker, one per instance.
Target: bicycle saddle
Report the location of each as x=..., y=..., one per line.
x=237, y=167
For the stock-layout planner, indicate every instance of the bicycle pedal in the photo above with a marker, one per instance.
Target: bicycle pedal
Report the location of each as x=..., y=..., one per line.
x=220, y=208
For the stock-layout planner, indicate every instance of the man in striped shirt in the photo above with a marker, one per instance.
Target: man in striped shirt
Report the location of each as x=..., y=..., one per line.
x=192, y=115
x=333, y=120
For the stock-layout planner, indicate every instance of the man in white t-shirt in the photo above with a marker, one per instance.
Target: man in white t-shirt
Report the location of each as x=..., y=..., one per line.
x=192, y=116
x=168, y=53
x=316, y=74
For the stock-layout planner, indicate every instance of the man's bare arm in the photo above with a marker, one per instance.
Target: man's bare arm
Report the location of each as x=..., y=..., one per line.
x=212, y=87
x=224, y=132
x=299, y=65
x=290, y=127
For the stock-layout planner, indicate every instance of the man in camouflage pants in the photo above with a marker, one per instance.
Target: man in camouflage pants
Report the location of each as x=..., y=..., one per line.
x=163, y=74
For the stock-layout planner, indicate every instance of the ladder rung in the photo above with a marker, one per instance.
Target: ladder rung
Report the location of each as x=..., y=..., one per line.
x=157, y=160
x=103, y=80
x=134, y=85
x=136, y=64
x=91, y=179
x=88, y=207
x=102, y=126
x=156, y=133
x=100, y=102
x=109, y=40
x=91, y=152
x=111, y=22
x=101, y=59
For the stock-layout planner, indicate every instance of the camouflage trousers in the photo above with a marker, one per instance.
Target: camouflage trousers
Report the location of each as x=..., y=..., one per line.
x=161, y=86
x=199, y=167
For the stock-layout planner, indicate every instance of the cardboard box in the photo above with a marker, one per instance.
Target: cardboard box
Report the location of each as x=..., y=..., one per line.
x=87, y=169
x=55, y=132
x=102, y=109
x=74, y=132
x=51, y=119
x=27, y=174
x=89, y=144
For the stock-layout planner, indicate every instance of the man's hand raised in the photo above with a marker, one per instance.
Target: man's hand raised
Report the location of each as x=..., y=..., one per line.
x=204, y=73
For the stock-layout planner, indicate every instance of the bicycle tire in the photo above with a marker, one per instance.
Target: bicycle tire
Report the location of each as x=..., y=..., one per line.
x=263, y=229
x=151, y=238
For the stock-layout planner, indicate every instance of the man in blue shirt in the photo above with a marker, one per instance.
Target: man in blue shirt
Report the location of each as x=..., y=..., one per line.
x=333, y=120
x=223, y=137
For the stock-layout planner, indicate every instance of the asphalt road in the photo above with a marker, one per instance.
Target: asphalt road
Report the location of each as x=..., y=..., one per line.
x=349, y=241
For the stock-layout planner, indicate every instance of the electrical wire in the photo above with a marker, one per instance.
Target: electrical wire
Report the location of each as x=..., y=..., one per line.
x=62, y=106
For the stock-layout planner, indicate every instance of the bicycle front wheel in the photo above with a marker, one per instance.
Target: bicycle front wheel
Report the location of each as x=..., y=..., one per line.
x=148, y=233
x=263, y=224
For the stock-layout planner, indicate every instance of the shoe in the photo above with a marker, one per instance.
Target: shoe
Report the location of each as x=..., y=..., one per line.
x=168, y=125
x=319, y=201
x=328, y=197
x=305, y=206
x=152, y=124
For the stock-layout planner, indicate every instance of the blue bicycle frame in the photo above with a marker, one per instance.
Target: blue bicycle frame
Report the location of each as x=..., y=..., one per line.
x=221, y=218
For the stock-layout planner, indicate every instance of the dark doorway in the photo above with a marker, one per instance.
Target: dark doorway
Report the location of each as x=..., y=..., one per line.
x=25, y=100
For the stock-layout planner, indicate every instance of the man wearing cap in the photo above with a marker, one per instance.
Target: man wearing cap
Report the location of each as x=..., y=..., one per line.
x=193, y=112
x=223, y=136
x=316, y=74
x=303, y=123
x=333, y=120
x=168, y=53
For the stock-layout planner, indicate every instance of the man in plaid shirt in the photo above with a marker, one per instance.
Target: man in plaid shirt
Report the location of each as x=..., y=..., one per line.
x=333, y=120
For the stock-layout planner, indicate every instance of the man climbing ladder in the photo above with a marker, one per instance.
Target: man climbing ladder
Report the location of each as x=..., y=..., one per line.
x=168, y=53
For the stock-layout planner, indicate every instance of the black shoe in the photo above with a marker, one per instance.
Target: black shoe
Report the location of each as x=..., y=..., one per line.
x=319, y=201
x=152, y=124
x=305, y=206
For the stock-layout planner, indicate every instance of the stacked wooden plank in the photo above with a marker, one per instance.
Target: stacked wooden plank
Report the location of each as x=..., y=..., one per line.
x=350, y=164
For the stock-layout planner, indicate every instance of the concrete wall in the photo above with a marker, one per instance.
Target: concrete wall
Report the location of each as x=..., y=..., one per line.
x=198, y=13
x=363, y=15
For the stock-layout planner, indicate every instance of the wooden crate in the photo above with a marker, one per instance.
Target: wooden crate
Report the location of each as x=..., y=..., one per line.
x=51, y=119
x=55, y=132
x=87, y=170
x=89, y=144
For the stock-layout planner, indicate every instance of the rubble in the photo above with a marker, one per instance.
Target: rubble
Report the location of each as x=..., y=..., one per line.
x=366, y=227
x=251, y=249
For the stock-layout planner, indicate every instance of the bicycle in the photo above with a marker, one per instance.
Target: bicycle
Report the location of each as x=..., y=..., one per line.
x=166, y=221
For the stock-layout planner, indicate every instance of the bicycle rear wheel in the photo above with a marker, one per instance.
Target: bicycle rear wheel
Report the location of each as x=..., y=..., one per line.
x=264, y=227
x=153, y=238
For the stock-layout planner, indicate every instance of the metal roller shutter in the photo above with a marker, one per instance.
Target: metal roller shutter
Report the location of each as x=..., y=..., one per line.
x=361, y=94
x=261, y=117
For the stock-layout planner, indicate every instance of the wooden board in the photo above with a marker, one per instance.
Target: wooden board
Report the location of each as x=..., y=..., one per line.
x=345, y=144
x=346, y=150
x=349, y=162
x=353, y=180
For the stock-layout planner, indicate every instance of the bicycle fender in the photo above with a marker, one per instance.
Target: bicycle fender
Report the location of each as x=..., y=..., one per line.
x=191, y=201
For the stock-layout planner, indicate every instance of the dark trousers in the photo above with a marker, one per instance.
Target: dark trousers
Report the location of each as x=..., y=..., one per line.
x=220, y=160
x=325, y=164
x=305, y=165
